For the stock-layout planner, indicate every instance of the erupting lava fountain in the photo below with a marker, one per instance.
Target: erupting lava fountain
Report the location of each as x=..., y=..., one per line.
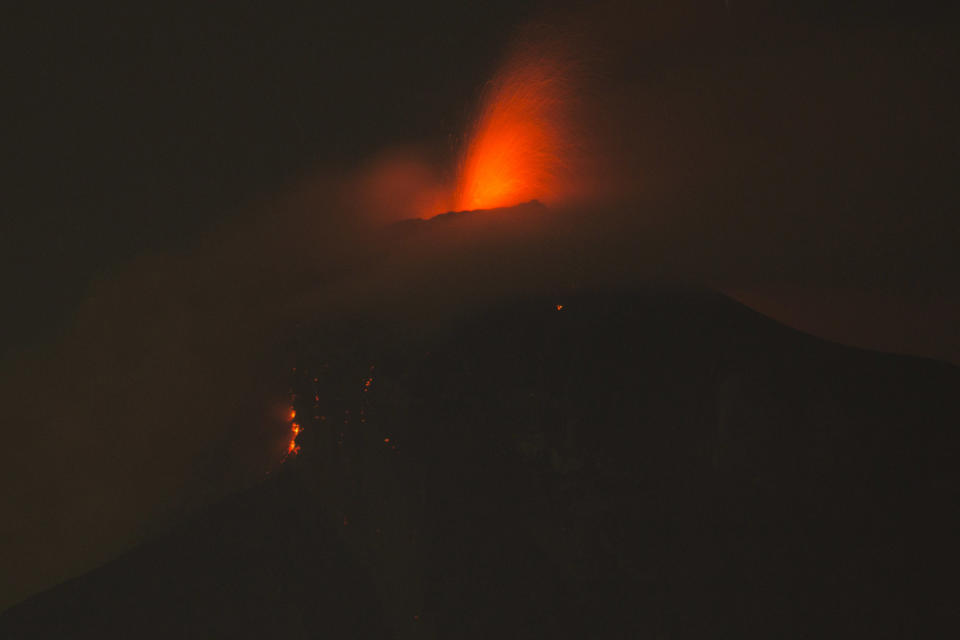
x=520, y=145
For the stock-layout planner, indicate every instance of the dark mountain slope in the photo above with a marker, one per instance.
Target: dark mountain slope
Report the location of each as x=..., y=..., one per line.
x=644, y=463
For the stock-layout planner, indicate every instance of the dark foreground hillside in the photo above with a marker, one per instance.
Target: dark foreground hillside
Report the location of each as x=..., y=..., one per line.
x=651, y=464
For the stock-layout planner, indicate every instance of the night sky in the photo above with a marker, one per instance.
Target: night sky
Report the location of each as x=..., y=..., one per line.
x=178, y=176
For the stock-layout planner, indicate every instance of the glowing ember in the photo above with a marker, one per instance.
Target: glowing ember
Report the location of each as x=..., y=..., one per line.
x=519, y=145
x=292, y=447
x=559, y=307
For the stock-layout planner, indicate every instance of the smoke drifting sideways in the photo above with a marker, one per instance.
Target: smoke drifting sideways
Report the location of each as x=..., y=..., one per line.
x=696, y=155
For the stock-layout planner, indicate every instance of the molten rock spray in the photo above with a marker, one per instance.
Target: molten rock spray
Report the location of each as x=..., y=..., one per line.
x=522, y=142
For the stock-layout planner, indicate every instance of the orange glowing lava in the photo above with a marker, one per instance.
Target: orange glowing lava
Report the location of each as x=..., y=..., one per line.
x=520, y=144
x=292, y=447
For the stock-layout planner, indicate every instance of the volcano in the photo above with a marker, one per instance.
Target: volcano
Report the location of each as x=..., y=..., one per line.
x=622, y=462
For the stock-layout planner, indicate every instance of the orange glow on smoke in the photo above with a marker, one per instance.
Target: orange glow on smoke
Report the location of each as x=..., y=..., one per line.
x=520, y=145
